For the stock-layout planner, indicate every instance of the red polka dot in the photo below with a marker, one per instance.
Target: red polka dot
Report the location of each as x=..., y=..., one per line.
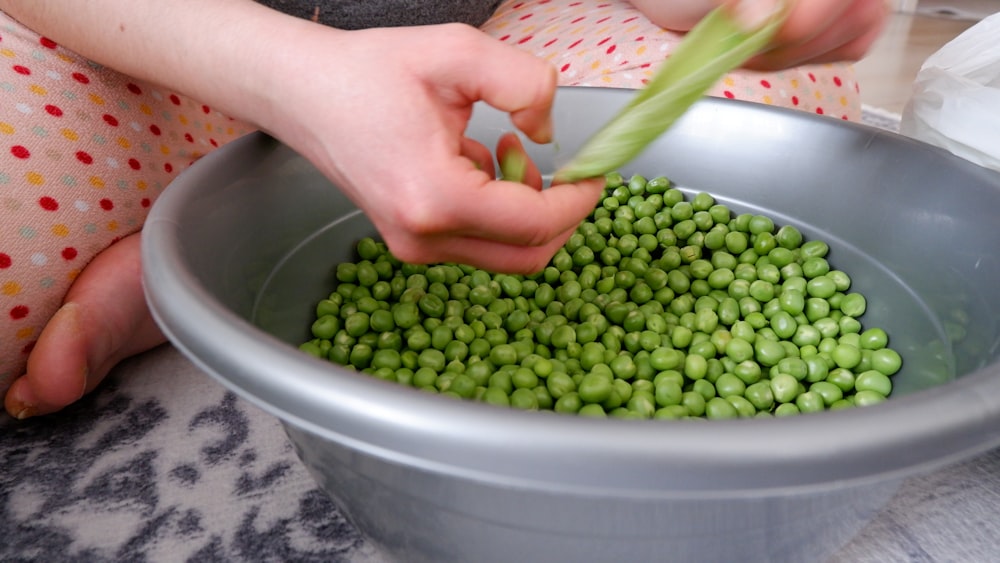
x=611, y=49
x=551, y=42
x=213, y=142
x=845, y=118
x=19, y=312
x=630, y=20
x=564, y=68
x=107, y=204
x=68, y=253
x=525, y=16
x=47, y=203
x=765, y=83
x=579, y=19
x=505, y=37
x=154, y=129
x=144, y=202
x=188, y=137
x=54, y=111
x=22, y=70
x=206, y=109
x=603, y=41
x=175, y=100
x=819, y=111
x=525, y=39
x=729, y=94
x=81, y=78
x=28, y=348
x=837, y=81
x=812, y=77
x=84, y=157
x=795, y=100
x=47, y=43
x=134, y=88
x=5, y=260
x=110, y=120
x=19, y=151
x=168, y=167
x=134, y=164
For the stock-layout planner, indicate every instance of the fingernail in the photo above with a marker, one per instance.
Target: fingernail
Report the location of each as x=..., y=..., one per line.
x=753, y=14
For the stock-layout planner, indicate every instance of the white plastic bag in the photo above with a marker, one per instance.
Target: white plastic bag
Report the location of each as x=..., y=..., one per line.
x=956, y=97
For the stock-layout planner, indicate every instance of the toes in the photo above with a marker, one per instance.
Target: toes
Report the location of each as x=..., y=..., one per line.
x=104, y=320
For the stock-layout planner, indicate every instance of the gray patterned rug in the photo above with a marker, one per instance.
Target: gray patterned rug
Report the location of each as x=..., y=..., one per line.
x=163, y=464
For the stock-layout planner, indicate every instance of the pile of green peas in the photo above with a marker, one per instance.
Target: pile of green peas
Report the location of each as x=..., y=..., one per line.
x=658, y=306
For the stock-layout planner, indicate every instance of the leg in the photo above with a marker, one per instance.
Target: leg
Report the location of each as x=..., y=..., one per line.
x=610, y=43
x=87, y=152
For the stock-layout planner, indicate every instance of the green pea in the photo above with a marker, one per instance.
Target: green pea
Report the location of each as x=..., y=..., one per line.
x=875, y=381
x=784, y=387
x=886, y=361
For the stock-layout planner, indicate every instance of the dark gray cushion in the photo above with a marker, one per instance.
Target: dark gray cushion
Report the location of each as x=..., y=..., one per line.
x=360, y=14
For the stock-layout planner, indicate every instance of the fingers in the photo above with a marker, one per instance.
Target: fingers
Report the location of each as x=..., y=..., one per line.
x=514, y=81
x=824, y=31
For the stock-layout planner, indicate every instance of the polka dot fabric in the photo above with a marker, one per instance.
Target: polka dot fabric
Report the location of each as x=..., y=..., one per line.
x=612, y=44
x=84, y=153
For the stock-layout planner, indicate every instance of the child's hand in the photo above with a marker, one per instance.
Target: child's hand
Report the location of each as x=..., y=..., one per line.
x=816, y=31
x=385, y=120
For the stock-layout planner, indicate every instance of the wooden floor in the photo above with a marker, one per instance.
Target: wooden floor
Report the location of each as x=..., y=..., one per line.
x=887, y=73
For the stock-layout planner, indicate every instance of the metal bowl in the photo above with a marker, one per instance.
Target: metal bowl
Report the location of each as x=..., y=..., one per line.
x=244, y=243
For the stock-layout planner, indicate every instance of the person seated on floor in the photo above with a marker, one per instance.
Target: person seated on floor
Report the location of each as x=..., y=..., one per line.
x=107, y=101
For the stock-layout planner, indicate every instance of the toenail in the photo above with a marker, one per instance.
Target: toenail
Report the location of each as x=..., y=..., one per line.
x=26, y=412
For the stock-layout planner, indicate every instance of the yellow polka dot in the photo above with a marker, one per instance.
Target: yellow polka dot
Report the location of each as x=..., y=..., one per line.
x=728, y=81
x=72, y=274
x=123, y=143
x=96, y=182
x=595, y=65
x=843, y=100
x=34, y=178
x=146, y=109
x=36, y=89
x=25, y=333
x=96, y=99
x=7, y=53
x=65, y=58
x=164, y=149
x=768, y=100
x=6, y=128
x=818, y=95
x=70, y=134
x=60, y=230
x=640, y=50
x=112, y=226
x=141, y=184
x=794, y=83
x=11, y=288
x=182, y=119
x=208, y=127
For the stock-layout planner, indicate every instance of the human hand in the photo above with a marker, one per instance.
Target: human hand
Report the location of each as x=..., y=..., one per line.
x=385, y=121
x=814, y=32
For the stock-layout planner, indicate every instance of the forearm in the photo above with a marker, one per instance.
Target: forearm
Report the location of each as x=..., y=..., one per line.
x=215, y=52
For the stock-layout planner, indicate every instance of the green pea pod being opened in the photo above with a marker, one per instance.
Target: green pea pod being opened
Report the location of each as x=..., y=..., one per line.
x=715, y=46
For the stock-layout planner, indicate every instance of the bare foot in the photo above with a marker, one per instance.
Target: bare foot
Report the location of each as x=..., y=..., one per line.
x=103, y=320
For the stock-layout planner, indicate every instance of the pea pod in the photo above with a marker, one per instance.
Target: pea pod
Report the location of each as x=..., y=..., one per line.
x=715, y=46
